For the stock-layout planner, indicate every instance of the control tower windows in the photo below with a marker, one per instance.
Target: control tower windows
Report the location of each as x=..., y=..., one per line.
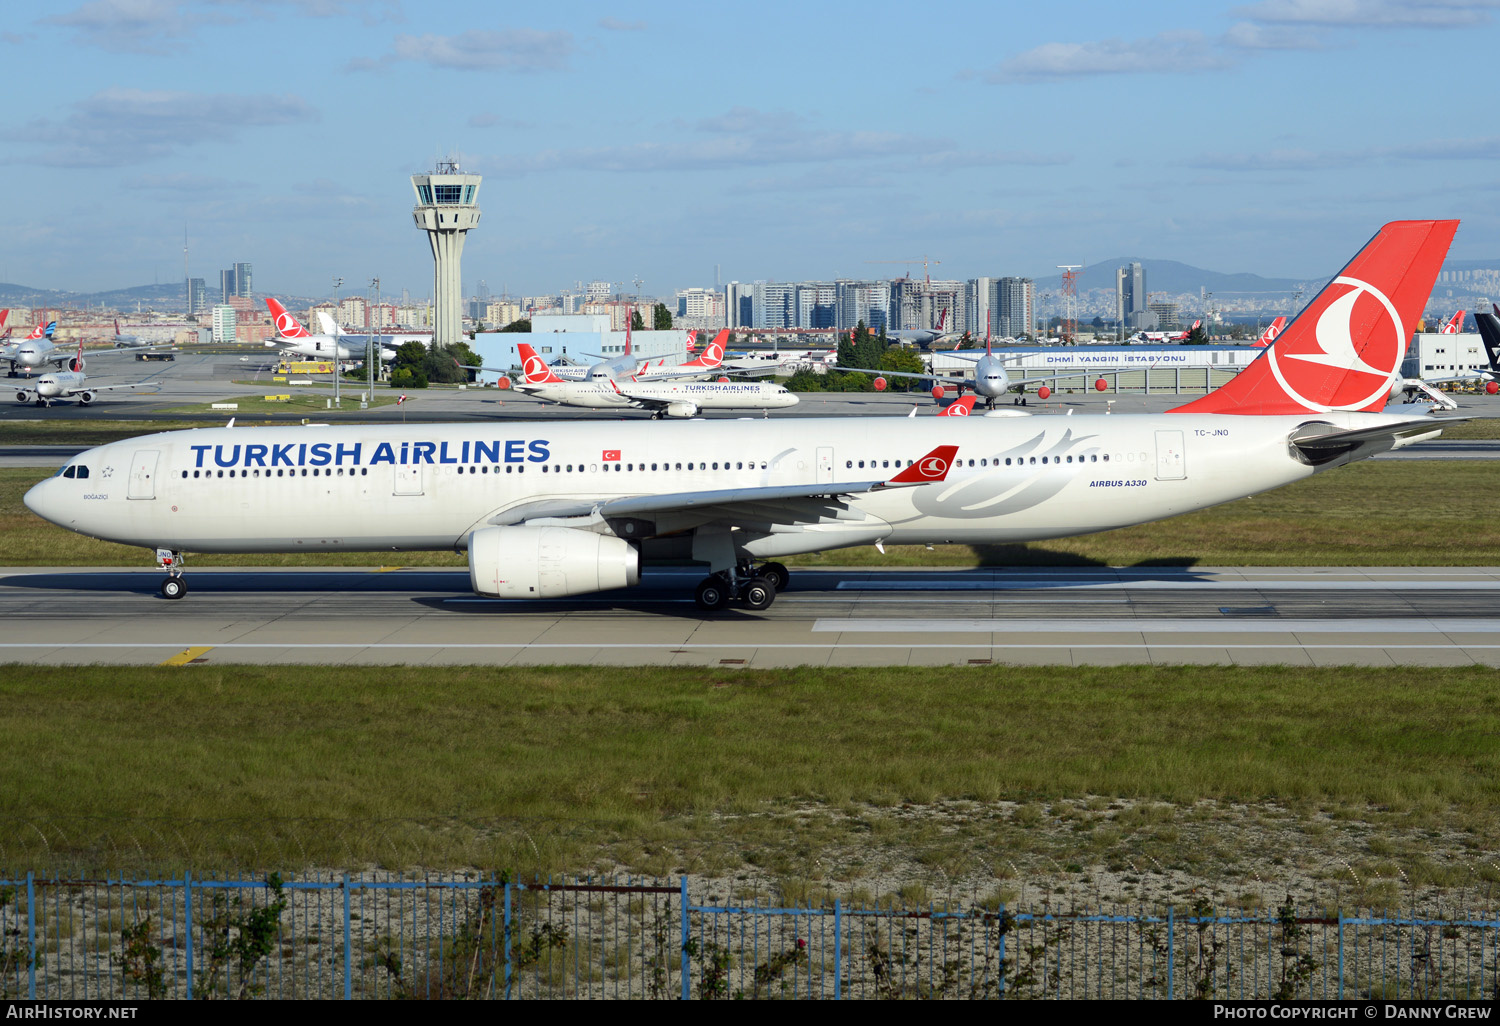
x=469, y=194
x=448, y=193
x=426, y=193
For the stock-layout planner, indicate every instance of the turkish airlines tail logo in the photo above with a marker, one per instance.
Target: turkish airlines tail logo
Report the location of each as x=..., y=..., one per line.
x=1273, y=330
x=534, y=370
x=930, y=468
x=36, y=332
x=713, y=353
x=287, y=326
x=1344, y=351
x=959, y=407
x=1456, y=322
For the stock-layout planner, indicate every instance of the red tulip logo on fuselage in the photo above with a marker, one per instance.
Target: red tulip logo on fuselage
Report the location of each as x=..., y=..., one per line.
x=1359, y=316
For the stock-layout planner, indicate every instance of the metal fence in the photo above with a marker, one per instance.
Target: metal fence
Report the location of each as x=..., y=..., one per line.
x=401, y=937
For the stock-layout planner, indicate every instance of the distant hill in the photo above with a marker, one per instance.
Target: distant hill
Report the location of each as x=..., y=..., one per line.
x=1175, y=277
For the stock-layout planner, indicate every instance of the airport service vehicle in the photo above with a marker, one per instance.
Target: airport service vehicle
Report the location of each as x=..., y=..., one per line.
x=551, y=510
x=664, y=398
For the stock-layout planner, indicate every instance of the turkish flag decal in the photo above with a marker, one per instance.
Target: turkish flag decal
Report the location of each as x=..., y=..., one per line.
x=611, y=454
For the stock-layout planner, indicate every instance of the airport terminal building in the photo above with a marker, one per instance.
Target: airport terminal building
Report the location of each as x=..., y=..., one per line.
x=580, y=338
x=1172, y=368
x=1433, y=356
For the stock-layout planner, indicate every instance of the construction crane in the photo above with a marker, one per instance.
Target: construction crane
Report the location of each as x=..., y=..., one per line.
x=924, y=261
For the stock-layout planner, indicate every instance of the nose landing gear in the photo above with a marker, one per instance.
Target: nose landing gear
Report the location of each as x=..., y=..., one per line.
x=174, y=587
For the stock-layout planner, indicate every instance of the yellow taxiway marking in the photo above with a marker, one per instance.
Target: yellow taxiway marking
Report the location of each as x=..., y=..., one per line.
x=388, y=569
x=187, y=655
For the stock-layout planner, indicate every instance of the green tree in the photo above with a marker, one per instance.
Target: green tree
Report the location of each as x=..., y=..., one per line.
x=1196, y=337
x=409, y=355
x=524, y=324
x=405, y=377
x=661, y=318
x=966, y=341
x=805, y=381
x=898, y=359
x=636, y=323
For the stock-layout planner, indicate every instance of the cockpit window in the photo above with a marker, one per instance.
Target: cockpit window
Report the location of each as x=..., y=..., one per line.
x=76, y=470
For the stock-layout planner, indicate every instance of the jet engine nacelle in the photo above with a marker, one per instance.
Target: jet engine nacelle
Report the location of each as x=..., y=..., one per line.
x=1043, y=392
x=937, y=392
x=549, y=562
x=76, y=365
x=1491, y=388
x=1101, y=385
x=880, y=384
x=86, y=397
x=682, y=409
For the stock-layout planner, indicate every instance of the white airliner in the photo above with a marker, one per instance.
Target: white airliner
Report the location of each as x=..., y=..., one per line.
x=555, y=509
x=38, y=350
x=70, y=383
x=662, y=396
x=292, y=337
x=991, y=380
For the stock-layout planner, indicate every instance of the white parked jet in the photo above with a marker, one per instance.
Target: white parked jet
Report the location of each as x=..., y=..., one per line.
x=70, y=383
x=547, y=510
x=663, y=397
x=292, y=337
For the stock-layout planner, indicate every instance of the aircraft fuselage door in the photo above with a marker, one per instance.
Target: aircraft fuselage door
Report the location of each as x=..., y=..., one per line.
x=825, y=464
x=409, y=479
x=1171, y=461
x=143, y=474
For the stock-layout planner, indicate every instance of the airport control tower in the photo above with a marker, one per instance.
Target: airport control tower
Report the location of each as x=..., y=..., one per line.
x=446, y=210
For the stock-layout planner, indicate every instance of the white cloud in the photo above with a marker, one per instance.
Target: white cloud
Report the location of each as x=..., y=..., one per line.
x=1163, y=53
x=116, y=127
x=480, y=50
x=1371, y=13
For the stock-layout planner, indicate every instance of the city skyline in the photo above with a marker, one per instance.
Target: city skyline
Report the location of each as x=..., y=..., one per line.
x=662, y=142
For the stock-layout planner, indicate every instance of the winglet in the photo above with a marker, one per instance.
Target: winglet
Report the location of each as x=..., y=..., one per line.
x=929, y=469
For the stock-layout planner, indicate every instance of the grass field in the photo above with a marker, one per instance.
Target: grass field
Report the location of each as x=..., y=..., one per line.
x=300, y=400
x=1369, y=514
x=694, y=770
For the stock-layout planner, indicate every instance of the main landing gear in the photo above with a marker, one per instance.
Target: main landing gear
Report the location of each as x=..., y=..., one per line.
x=174, y=587
x=755, y=587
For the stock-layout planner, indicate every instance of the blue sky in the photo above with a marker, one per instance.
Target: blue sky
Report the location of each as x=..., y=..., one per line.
x=777, y=140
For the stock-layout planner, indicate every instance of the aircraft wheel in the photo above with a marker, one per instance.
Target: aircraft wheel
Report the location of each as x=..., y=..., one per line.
x=173, y=588
x=758, y=593
x=42, y=402
x=777, y=574
x=712, y=593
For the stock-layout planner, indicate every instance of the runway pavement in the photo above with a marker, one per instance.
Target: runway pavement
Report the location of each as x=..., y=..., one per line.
x=837, y=617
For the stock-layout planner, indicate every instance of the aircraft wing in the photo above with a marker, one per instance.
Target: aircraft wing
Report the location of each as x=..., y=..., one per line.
x=772, y=509
x=925, y=376
x=110, y=388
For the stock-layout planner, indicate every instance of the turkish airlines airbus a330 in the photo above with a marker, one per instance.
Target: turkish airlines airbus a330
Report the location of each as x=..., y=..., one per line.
x=549, y=509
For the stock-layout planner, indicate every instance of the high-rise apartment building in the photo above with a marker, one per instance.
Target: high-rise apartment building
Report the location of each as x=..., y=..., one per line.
x=225, y=323
x=817, y=304
x=1017, y=308
x=1131, y=307
x=197, y=298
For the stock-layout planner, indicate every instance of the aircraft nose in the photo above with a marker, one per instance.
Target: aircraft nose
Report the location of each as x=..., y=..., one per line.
x=46, y=501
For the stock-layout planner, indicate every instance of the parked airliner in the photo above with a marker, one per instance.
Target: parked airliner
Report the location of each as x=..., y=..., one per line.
x=70, y=382
x=555, y=509
x=660, y=394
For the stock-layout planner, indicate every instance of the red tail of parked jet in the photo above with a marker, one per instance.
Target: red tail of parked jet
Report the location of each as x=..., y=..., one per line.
x=1454, y=324
x=960, y=407
x=1272, y=332
x=713, y=353
x=287, y=326
x=534, y=370
x=1344, y=351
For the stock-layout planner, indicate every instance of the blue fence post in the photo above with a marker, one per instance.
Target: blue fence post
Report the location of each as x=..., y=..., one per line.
x=507, y=940
x=1341, y=954
x=30, y=937
x=1001, y=950
x=348, y=960
x=686, y=980
x=838, y=951
x=187, y=913
x=1171, y=947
